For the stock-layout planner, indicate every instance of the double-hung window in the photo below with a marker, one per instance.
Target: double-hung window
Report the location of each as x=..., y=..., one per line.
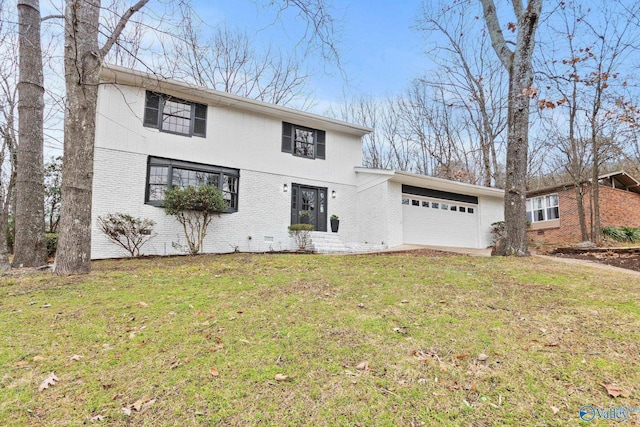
x=303, y=141
x=175, y=115
x=163, y=174
x=543, y=208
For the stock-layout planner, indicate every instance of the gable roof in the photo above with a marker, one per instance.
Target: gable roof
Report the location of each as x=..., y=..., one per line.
x=619, y=179
x=126, y=76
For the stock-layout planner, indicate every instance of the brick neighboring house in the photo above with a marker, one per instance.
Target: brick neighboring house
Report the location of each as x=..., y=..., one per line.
x=553, y=211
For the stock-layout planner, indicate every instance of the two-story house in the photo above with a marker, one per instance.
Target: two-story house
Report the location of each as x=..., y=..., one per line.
x=271, y=163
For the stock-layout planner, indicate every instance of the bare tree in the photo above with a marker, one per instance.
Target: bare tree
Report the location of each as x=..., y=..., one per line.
x=228, y=61
x=30, y=247
x=519, y=65
x=83, y=61
x=473, y=81
x=586, y=82
x=8, y=137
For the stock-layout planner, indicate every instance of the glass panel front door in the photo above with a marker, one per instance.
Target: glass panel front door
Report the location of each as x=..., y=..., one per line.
x=311, y=200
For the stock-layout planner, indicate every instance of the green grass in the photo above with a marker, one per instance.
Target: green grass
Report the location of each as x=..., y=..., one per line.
x=155, y=328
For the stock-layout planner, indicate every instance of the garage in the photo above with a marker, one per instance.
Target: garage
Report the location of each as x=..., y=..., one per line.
x=439, y=218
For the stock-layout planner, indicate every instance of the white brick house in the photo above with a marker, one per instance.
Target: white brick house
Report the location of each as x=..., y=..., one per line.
x=270, y=162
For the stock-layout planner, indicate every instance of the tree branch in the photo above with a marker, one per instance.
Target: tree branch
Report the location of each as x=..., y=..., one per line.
x=497, y=38
x=120, y=26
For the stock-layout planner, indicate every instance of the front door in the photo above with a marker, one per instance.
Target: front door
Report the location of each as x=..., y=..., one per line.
x=312, y=200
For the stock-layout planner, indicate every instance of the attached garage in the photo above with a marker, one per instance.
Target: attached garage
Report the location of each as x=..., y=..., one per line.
x=398, y=208
x=439, y=218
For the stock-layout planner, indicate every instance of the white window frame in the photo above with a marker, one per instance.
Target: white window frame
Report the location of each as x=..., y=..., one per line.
x=542, y=207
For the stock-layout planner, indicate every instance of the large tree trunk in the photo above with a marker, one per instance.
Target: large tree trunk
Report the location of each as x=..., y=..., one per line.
x=82, y=64
x=30, y=246
x=520, y=68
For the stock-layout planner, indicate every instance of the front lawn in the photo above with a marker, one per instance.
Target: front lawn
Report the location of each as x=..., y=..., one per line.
x=319, y=340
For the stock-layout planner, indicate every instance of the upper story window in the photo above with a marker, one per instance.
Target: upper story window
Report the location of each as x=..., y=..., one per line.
x=175, y=115
x=543, y=208
x=302, y=141
x=163, y=174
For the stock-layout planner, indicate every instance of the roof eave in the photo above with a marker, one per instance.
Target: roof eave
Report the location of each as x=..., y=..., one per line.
x=125, y=76
x=435, y=183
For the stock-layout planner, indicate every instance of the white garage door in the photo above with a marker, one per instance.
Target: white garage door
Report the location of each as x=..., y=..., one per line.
x=438, y=222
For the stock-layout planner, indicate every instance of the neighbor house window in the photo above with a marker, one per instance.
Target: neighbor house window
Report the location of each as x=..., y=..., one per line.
x=303, y=141
x=174, y=115
x=163, y=174
x=543, y=208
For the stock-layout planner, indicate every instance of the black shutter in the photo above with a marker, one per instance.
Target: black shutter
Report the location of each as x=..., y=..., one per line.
x=287, y=137
x=320, y=145
x=152, y=110
x=200, y=120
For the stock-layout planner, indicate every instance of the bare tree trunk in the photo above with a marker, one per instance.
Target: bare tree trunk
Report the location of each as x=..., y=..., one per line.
x=82, y=62
x=30, y=246
x=520, y=68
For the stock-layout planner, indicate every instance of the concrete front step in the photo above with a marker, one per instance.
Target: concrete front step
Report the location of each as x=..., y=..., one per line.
x=330, y=243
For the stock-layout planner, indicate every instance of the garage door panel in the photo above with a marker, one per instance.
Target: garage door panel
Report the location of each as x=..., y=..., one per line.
x=438, y=227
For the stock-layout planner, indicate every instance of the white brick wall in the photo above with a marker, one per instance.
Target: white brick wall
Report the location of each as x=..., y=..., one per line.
x=491, y=210
x=263, y=209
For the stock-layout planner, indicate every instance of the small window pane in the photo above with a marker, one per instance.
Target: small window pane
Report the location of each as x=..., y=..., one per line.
x=158, y=179
x=304, y=142
x=469, y=210
x=405, y=201
x=425, y=204
x=415, y=202
x=444, y=207
x=463, y=209
x=553, y=213
x=435, y=205
x=454, y=208
x=176, y=117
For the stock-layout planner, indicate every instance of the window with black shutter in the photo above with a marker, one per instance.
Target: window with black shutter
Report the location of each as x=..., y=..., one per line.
x=174, y=115
x=303, y=141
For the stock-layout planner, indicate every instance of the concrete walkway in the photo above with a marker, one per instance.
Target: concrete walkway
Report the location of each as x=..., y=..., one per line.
x=588, y=263
x=487, y=253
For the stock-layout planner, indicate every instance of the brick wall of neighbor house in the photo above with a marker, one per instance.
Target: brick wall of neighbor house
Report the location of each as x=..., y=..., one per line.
x=617, y=208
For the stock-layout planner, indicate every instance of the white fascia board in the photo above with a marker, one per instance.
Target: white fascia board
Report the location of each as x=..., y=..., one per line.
x=446, y=185
x=125, y=76
x=431, y=182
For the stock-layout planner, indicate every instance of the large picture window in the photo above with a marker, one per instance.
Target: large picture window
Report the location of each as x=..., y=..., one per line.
x=174, y=115
x=302, y=141
x=163, y=174
x=543, y=208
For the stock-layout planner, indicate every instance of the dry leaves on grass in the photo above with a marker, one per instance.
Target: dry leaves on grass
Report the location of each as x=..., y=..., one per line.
x=614, y=390
x=281, y=377
x=49, y=381
x=213, y=371
x=140, y=405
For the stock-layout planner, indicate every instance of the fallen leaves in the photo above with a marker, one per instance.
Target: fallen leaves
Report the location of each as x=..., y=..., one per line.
x=614, y=390
x=51, y=380
x=213, y=371
x=141, y=405
x=363, y=366
x=281, y=377
x=142, y=304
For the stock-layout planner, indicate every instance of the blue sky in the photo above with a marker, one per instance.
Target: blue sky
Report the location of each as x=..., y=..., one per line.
x=379, y=50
